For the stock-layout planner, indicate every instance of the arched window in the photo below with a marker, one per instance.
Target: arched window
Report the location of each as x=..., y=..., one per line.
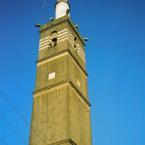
x=53, y=37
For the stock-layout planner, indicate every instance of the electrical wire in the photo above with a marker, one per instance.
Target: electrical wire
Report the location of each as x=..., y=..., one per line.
x=21, y=116
x=13, y=129
x=3, y=141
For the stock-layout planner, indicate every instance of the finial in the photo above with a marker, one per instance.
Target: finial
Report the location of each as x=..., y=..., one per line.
x=62, y=8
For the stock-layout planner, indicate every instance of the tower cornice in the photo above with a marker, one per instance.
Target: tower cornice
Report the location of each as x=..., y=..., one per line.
x=63, y=52
x=58, y=22
x=70, y=83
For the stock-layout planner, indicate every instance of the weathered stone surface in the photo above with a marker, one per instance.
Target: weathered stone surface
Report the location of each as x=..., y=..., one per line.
x=61, y=109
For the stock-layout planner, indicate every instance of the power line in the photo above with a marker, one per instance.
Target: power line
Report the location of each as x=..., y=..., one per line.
x=3, y=141
x=13, y=128
x=21, y=116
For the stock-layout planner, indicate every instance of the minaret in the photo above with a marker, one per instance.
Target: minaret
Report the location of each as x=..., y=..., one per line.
x=61, y=108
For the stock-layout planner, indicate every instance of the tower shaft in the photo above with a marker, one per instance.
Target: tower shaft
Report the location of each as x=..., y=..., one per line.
x=61, y=108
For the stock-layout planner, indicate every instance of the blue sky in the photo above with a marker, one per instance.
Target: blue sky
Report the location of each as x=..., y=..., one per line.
x=115, y=63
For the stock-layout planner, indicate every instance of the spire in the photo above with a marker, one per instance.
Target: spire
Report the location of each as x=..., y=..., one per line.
x=62, y=8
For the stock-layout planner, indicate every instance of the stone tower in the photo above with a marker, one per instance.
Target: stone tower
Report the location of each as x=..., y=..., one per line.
x=61, y=109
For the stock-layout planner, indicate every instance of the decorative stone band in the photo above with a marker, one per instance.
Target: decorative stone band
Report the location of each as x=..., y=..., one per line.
x=81, y=53
x=61, y=85
x=59, y=55
x=66, y=35
x=62, y=35
x=46, y=60
x=64, y=141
